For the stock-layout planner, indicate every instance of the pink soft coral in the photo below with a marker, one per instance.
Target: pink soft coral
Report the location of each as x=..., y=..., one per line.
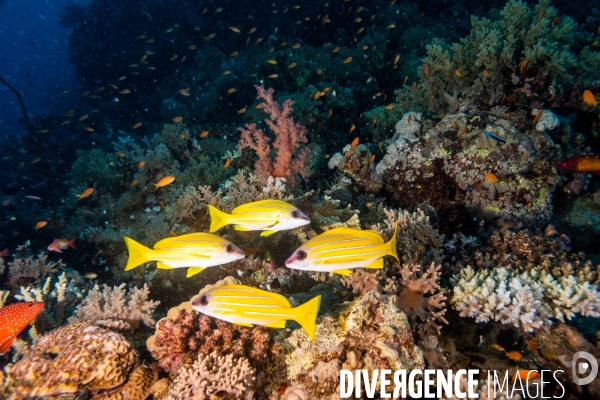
x=289, y=135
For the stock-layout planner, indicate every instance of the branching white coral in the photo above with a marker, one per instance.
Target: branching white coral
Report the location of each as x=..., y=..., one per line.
x=525, y=300
x=116, y=302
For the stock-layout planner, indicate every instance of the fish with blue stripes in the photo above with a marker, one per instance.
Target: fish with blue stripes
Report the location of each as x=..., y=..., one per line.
x=269, y=216
x=249, y=306
x=495, y=137
x=340, y=250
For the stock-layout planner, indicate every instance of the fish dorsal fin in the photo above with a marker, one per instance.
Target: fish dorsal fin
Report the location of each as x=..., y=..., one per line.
x=367, y=234
x=251, y=295
x=255, y=206
x=376, y=264
x=161, y=265
x=345, y=272
x=267, y=233
x=193, y=271
x=355, y=233
x=168, y=242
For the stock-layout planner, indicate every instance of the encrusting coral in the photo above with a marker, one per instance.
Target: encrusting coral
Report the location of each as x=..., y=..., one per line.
x=73, y=357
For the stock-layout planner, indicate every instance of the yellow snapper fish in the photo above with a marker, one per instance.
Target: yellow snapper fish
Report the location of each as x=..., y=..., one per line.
x=341, y=249
x=248, y=306
x=195, y=251
x=269, y=216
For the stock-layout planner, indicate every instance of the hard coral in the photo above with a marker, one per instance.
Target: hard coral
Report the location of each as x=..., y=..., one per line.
x=526, y=300
x=138, y=386
x=178, y=340
x=72, y=357
x=289, y=135
x=372, y=325
x=132, y=306
x=212, y=374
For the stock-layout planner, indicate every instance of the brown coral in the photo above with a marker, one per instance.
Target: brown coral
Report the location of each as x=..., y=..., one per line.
x=415, y=284
x=137, y=387
x=72, y=357
x=213, y=374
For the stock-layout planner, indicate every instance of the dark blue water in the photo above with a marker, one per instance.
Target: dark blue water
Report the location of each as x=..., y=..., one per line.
x=34, y=59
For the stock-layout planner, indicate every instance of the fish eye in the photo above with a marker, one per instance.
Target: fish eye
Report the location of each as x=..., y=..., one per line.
x=229, y=248
x=295, y=214
x=204, y=300
x=301, y=255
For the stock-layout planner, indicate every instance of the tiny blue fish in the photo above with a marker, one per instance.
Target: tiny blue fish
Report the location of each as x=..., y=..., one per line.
x=495, y=137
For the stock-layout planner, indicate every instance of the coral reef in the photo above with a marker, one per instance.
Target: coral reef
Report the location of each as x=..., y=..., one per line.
x=184, y=334
x=212, y=374
x=289, y=135
x=84, y=355
x=371, y=325
x=527, y=300
x=132, y=306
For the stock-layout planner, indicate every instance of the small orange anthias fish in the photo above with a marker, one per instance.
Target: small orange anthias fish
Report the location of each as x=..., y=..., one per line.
x=167, y=180
x=87, y=192
x=514, y=355
x=588, y=164
x=589, y=98
x=14, y=318
x=61, y=244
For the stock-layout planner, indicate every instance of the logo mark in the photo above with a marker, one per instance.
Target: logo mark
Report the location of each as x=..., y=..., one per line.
x=583, y=363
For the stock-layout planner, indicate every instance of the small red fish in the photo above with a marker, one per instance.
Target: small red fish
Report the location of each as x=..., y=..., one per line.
x=588, y=164
x=61, y=244
x=4, y=253
x=14, y=318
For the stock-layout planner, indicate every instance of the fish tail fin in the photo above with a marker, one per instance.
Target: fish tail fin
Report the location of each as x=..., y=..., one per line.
x=154, y=187
x=71, y=243
x=306, y=315
x=392, y=244
x=138, y=254
x=218, y=218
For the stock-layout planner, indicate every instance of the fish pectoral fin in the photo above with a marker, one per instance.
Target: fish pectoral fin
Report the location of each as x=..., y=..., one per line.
x=345, y=272
x=162, y=265
x=278, y=324
x=6, y=345
x=193, y=271
x=267, y=233
x=243, y=324
x=241, y=228
x=376, y=264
